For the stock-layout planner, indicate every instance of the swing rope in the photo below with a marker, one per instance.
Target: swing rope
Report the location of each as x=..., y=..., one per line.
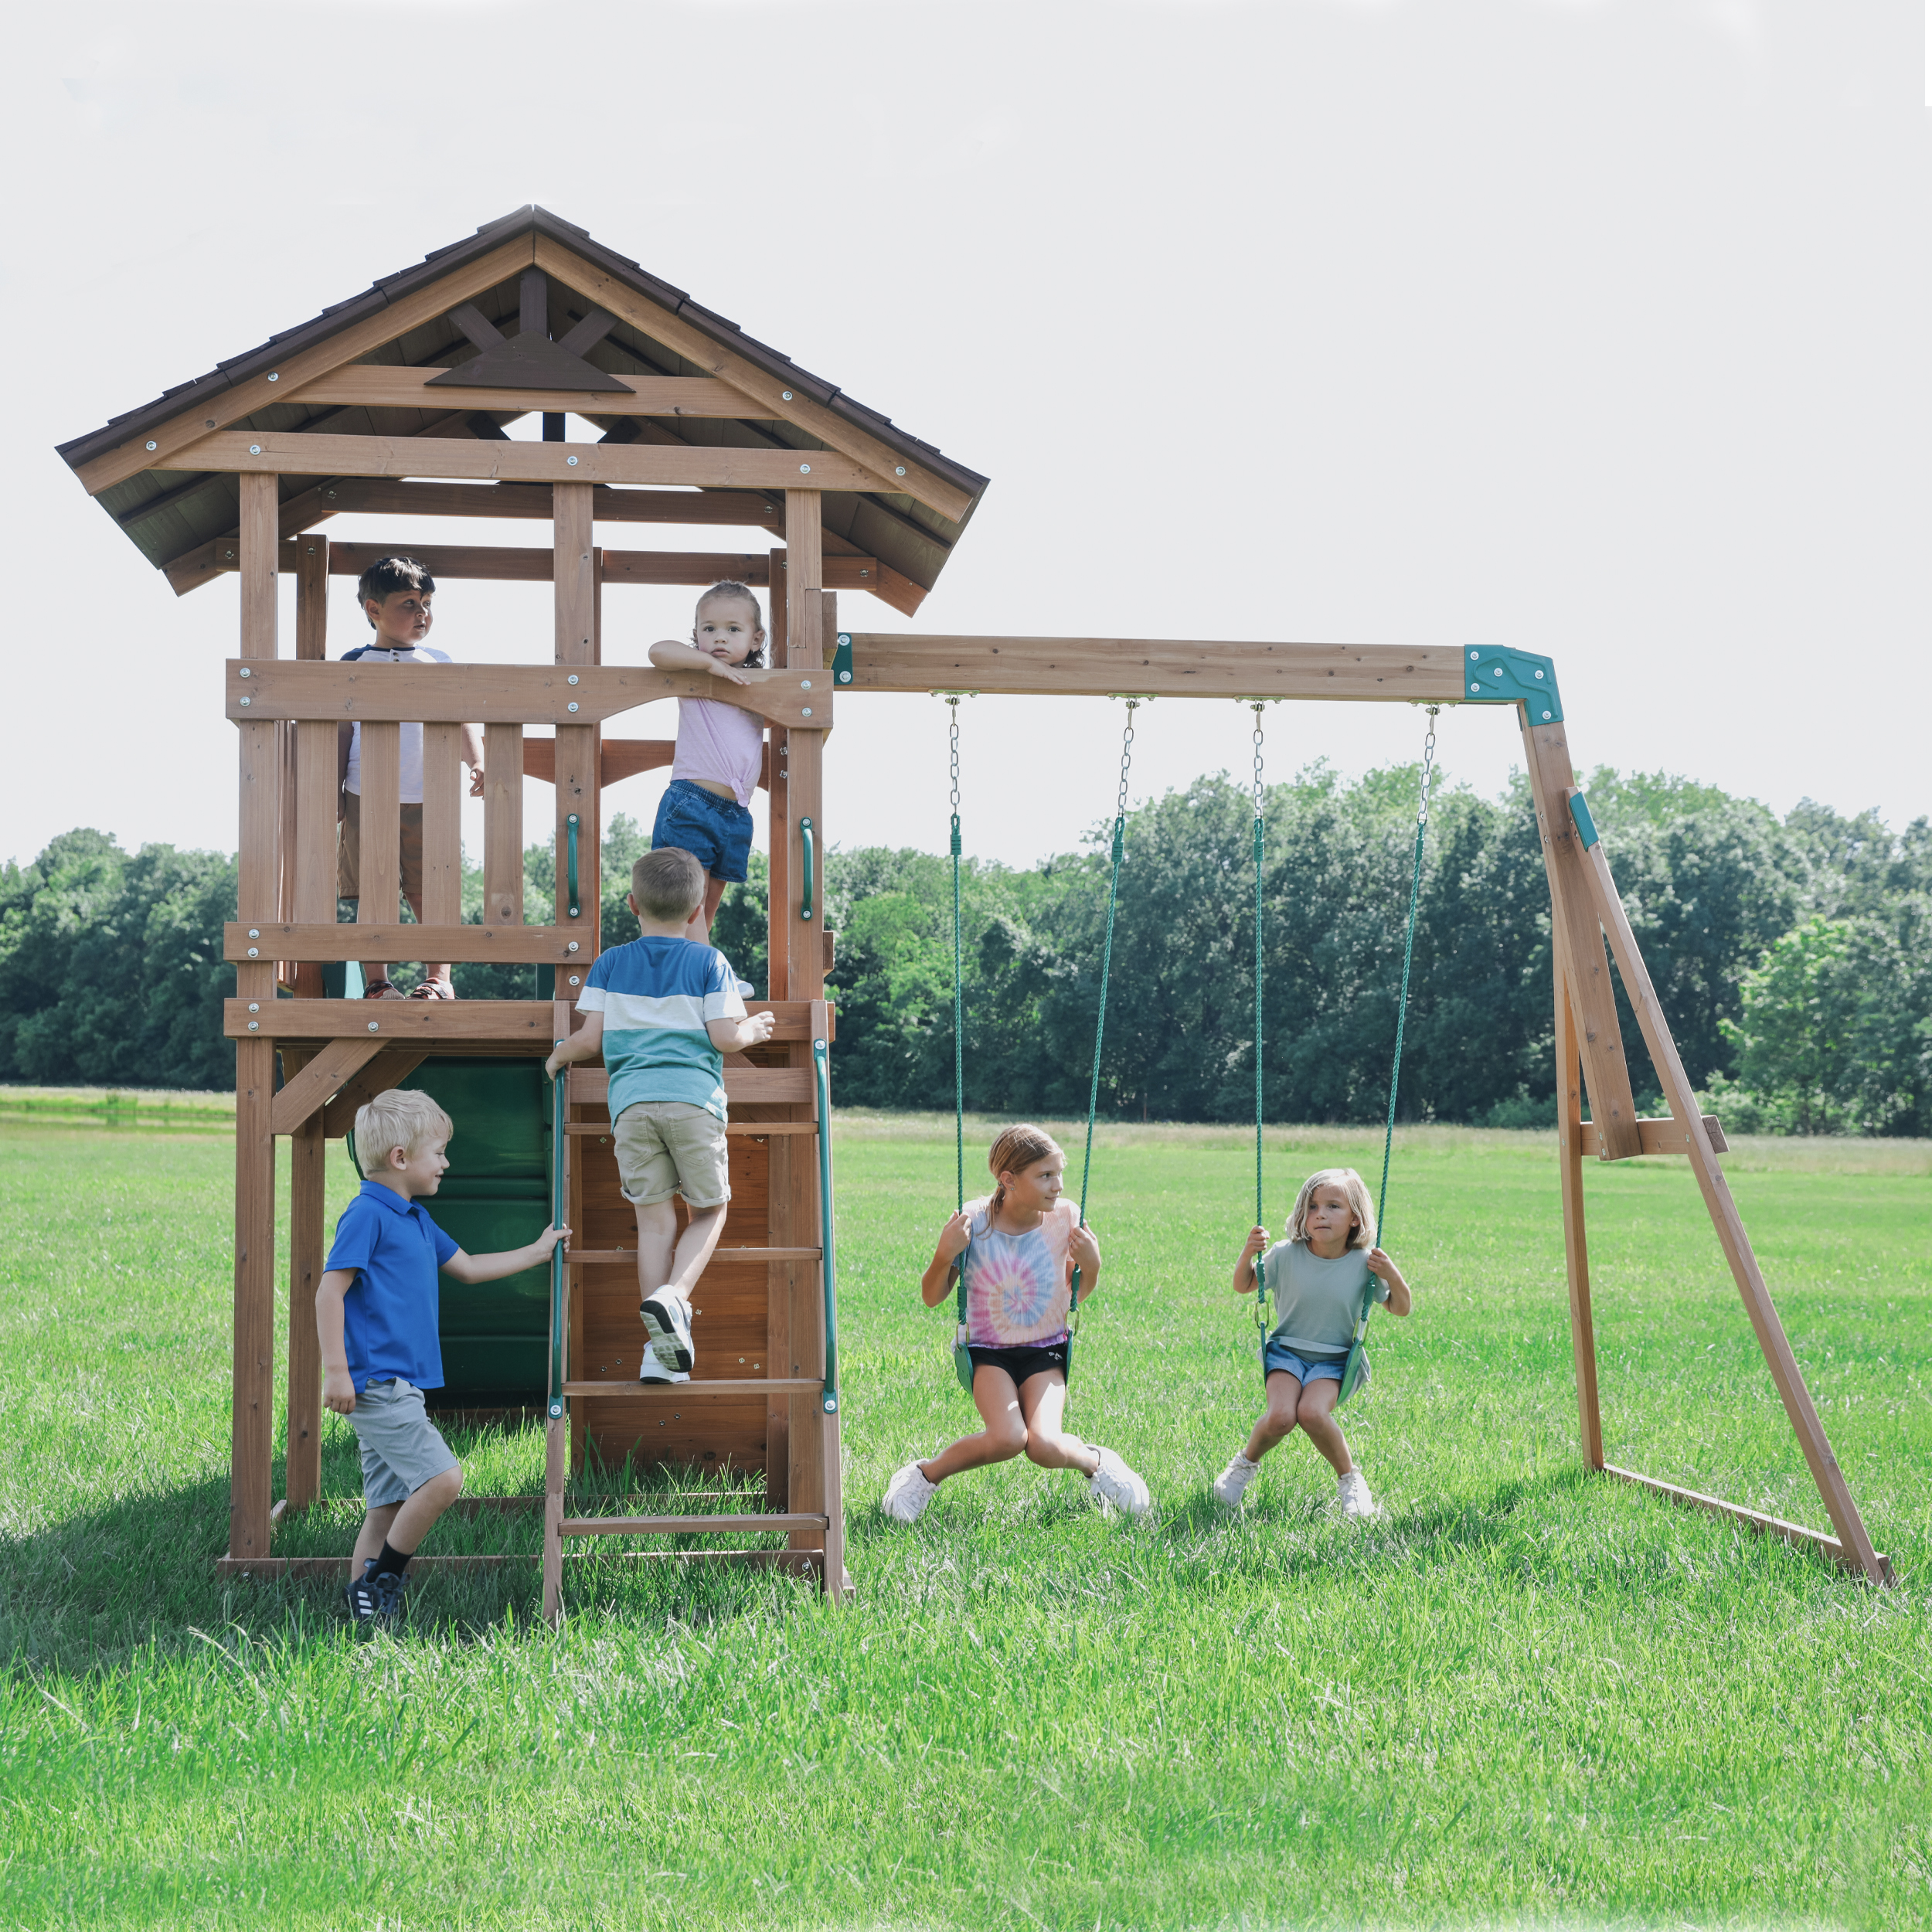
x=1260, y=1293
x=1106, y=963
x=1408, y=961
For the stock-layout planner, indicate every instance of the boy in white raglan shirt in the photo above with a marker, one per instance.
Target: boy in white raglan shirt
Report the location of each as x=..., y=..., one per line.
x=395, y=594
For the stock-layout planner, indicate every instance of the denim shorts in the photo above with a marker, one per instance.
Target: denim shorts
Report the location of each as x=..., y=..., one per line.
x=1305, y=1369
x=715, y=831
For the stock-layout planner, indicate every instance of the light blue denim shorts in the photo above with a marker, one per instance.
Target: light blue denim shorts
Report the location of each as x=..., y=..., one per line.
x=1303, y=1369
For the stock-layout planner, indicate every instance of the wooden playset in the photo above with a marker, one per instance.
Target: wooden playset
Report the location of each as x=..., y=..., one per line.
x=395, y=403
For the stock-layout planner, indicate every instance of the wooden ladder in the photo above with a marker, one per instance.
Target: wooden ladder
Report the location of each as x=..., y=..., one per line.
x=802, y=1406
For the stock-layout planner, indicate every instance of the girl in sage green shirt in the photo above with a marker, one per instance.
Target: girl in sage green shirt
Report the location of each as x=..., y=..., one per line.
x=1322, y=1277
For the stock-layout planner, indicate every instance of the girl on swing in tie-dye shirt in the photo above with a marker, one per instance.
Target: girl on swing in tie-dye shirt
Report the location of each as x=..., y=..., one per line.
x=1018, y=1247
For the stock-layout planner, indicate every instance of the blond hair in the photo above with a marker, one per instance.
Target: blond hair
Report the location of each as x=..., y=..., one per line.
x=397, y=1118
x=1356, y=1189
x=667, y=883
x=1013, y=1152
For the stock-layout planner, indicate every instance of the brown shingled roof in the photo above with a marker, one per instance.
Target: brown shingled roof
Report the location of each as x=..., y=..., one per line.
x=167, y=513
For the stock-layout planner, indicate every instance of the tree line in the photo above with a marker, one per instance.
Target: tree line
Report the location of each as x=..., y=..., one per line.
x=1790, y=954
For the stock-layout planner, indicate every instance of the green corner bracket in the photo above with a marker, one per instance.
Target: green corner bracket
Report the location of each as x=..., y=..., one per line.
x=1503, y=676
x=1579, y=816
x=841, y=659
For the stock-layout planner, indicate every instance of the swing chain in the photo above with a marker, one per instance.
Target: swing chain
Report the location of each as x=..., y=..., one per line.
x=1127, y=761
x=1261, y=795
x=1257, y=757
x=953, y=734
x=1428, y=763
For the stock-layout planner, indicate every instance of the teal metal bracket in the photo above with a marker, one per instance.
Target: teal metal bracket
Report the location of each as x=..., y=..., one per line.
x=841, y=659
x=807, y=852
x=1500, y=676
x=1579, y=815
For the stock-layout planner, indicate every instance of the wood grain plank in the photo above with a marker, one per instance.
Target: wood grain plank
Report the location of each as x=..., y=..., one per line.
x=1658, y=1137
x=373, y=385
x=1795, y=1534
x=1583, y=1332
x=503, y=824
x=330, y=1069
x=512, y=945
x=253, y=1421
x=755, y=509
x=390, y=1068
x=442, y=789
x=293, y=453
x=380, y=876
x=506, y=693
x=311, y=565
x=307, y=1204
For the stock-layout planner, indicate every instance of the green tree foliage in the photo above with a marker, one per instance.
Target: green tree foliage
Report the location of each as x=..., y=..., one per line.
x=1794, y=958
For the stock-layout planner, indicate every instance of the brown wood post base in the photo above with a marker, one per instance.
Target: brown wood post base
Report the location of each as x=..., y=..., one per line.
x=557, y=1443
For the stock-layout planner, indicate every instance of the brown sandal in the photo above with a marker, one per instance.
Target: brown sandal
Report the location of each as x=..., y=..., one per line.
x=382, y=989
x=434, y=989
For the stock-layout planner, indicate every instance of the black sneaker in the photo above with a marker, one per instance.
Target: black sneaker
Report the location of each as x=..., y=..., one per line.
x=667, y=1320
x=373, y=1599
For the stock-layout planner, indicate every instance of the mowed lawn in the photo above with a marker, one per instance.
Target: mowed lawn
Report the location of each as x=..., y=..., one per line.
x=1527, y=1695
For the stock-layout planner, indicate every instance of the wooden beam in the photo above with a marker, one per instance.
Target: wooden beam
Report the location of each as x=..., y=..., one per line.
x=307, y=1206
x=1095, y=667
x=311, y=560
x=505, y=945
x=1795, y=1534
x=379, y=822
x=507, y=693
x=507, y=1020
x=1816, y=1447
x=331, y=1069
x=292, y=453
x=502, y=825
x=891, y=472
x=1656, y=1137
x=390, y=1068
x=252, y=1419
x=1578, y=940
x=366, y=385
x=443, y=831
x=1582, y=1330
x=161, y=447
x=752, y=509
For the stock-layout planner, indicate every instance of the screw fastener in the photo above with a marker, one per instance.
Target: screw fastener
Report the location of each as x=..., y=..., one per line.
x=254, y=952
x=571, y=948
x=254, y=1026
x=153, y=446
x=372, y=1026
x=248, y=701
x=804, y=469
x=572, y=678
x=898, y=469
x=254, y=1006
x=573, y=703
x=784, y=395
x=807, y=711
x=571, y=461
x=254, y=449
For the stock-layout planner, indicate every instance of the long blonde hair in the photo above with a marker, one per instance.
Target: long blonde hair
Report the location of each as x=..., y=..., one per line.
x=1350, y=1184
x=1014, y=1150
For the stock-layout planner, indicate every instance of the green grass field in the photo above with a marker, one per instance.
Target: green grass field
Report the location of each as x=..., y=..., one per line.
x=1525, y=1697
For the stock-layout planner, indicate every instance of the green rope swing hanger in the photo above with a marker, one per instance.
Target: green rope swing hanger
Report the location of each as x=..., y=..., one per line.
x=962, y=1360
x=1355, y=1371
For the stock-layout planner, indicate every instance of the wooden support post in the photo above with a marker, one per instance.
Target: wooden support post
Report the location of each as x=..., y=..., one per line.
x=1607, y=906
x=252, y=1441
x=379, y=876
x=442, y=824
x=779, y=792
x=1580, y=942
x=1583, y=1333
x=503, y=824
x=556, y=1443
x=312, y=596
x=575, y=580
x=306, y=1202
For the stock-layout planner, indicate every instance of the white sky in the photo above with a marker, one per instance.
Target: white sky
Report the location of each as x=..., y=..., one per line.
x=1596, y=330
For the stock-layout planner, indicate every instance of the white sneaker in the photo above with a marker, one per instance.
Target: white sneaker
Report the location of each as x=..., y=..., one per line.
x=1232, y=1484
x=1352, y=1492
x=1114, y=1486
x=667, y=1320
x=908, y=1493
x=651, y=1370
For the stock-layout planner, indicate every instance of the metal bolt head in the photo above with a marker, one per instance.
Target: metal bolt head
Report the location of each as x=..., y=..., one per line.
x=804, y=469
x=254, y=932
x=574, y=980
x=254, y=1006
x=572, y=678
x=844, y=677
x=573, y=703
x=571, y=461
x=806, y=712
x=254, y=1026
x=1539, y=674
x=153, y=446
x=898, y=469
x=254, y=952
x=247, y=701
x=804, y=684
x=1474, y=655
x=571, y=948
x=274, y=375
x=254, y=449
x=845, y=637
x=784, y=395
x=246, y=672
x=372, y=1026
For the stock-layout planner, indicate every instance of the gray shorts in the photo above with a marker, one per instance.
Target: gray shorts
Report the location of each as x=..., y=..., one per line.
x=670, y=1147
x=401, y=1448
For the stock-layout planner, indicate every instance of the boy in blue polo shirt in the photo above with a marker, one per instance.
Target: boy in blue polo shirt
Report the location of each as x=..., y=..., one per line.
x=663, y=1011
x=375, y=1310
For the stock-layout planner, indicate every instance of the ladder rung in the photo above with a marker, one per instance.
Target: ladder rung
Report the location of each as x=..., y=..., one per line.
x=686, y=1525
x=602, y=1257
x=603, y=1128
x=743, y=1385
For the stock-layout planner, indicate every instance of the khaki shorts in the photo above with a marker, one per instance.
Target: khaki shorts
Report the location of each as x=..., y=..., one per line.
x=670, y=1147
x=401, y=1448
x=349, y=852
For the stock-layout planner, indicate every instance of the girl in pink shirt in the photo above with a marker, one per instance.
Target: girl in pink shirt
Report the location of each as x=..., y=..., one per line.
x=1016, y=1249
x=705, y=809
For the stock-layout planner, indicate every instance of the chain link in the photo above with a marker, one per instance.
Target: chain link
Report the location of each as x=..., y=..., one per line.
x=1428, y=763
x=1257, y=761
x=1127, y=758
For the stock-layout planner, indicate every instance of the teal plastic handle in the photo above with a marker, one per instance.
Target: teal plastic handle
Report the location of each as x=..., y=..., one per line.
x=571, y=875
x=828, y=1266
x=806, y=848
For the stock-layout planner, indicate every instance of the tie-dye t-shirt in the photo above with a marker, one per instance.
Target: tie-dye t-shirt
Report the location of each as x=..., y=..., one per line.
x=1019, y=1286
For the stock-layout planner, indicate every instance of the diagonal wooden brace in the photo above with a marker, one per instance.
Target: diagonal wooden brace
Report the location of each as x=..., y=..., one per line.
x=1607, y=906
x=332, y=1068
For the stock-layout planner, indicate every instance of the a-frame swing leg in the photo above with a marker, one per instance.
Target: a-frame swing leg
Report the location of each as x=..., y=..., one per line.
x=1570, y=1138
x=1585, y=908
x=556, y=1453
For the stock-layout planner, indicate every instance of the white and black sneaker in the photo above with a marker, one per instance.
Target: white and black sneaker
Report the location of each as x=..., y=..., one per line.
x=651, y=1370
x=667, y=1320
x=373, y=1600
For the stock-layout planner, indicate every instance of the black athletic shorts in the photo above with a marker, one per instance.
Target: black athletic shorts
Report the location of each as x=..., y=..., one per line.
x=1019, y=1363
